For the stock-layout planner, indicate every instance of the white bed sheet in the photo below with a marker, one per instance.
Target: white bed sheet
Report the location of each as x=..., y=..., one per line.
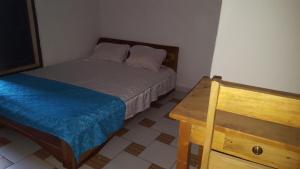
x=137, y=87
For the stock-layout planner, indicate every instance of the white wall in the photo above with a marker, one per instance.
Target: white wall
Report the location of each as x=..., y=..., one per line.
x=258, y=43
x=189, y=24
x=68, y=28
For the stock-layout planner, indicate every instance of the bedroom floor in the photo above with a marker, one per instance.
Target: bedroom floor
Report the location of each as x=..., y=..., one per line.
x=148, y=141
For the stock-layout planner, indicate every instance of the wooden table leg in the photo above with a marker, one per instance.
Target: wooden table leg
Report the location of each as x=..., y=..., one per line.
x=183, y=146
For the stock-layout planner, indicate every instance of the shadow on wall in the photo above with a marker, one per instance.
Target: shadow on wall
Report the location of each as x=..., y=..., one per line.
x=191, y=25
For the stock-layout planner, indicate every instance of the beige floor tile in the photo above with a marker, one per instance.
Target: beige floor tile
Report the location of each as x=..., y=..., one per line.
x=160, y=154
x=31, y=162
x=142, y=135
x=114, y=147
x=17, y=150
x=127, y=161
x=4, y=163
x=154, y=166
x=167, y=126
x=53, y=161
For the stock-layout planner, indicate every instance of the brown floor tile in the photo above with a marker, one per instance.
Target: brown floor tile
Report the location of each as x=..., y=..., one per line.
x=165, y=138
x=175, y=100
x=154, y=166
x=135, y=149
x=98, y=161
x=42, y=154
x=156, y=105
x=3, y=141
x=121, y=132
x=147, y=122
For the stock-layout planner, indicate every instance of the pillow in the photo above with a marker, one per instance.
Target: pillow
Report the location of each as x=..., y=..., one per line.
x=111, y=51
x=146, y=57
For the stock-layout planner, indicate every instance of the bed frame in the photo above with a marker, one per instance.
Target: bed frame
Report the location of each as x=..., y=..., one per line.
x=59, y=148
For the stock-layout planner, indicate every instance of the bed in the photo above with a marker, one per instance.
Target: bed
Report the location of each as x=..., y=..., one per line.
x=136, y=87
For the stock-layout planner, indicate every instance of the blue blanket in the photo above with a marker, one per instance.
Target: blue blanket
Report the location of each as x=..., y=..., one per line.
x=81, y=117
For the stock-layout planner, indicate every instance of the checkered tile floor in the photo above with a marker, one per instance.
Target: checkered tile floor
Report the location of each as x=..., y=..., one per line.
x=148, y=141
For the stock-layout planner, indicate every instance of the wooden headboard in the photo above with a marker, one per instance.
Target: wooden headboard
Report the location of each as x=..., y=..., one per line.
x=172, y=51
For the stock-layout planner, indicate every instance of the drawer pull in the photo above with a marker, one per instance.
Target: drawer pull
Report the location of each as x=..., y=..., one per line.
x=257, y=150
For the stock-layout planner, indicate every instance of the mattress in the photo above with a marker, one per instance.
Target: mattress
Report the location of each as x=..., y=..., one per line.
x=137, y=87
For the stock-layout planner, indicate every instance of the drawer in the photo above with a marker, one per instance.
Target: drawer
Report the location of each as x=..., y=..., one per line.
x=261, y=150
x=222, y=161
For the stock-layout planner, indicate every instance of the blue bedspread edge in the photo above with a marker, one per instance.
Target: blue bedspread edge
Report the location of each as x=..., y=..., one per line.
x=81, y=117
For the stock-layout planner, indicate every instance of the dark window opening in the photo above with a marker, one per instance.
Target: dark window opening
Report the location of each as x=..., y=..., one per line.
x=19, y=44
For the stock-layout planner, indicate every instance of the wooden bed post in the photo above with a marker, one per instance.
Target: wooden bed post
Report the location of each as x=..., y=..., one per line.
x=68, y=156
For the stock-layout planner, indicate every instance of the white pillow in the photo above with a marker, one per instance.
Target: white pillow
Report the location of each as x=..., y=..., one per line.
x=111, y=51
x=146, y=57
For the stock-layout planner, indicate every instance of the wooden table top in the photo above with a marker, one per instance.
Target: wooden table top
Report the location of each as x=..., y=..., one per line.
x=193, y=109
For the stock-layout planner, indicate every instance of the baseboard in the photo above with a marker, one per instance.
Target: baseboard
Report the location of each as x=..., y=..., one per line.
x=183, y=89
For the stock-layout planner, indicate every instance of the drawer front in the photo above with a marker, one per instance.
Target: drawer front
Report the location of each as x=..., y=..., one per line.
x=261, y=150
x=222, y=161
